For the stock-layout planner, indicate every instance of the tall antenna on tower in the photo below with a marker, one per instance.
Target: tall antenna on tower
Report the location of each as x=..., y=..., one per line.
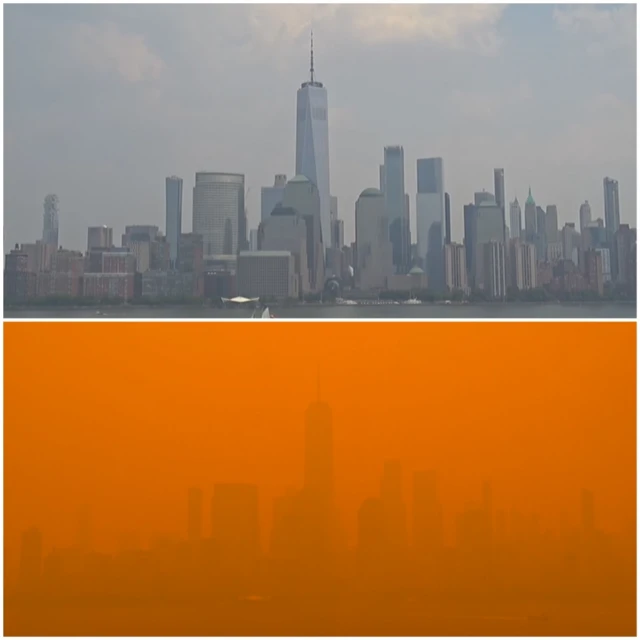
x=311, y=69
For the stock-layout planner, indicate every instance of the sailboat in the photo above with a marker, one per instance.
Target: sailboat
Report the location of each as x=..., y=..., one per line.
x=265, y=315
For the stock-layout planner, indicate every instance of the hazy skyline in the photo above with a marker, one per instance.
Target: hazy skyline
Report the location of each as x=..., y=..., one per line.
x=102, y=103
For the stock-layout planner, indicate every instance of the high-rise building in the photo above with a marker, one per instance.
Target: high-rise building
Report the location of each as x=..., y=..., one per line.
x=483, y=196
x=312, y=144
x=551, y=224
x=235, y=529
x=530, y=219
x=541, y=232
x=625, y=255
x=495, y=283
x=447, y=219
x=30, y=559
x=50, y=220
x=286, y=230
x=515, y=219
x=271, y=197
x=396, y=207
x=374, y=262
x=173, y=201
x=611, y=208
x=498, y=185
x=194, y=515
x=489, y=228
x=455, y=267
x=318, y=450
x=593, y=270
x=253, y=240
x=585, y=217
x=393, y=507
x=302, y=195
x=218, y=205
x=428, y=535
x=99, y=238
x=268, y=274
x=430, y=216
x=470, y=234
x=523, y=265
x=570, y=242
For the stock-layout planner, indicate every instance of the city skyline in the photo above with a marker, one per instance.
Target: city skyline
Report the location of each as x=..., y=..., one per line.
x=355, y=144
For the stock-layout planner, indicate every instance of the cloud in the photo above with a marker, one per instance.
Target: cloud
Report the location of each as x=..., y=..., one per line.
x=600, y=29
x=107, y=49
x=487, y=105
x=451, y=26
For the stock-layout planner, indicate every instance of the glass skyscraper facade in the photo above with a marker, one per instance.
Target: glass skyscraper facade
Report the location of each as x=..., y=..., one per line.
x=173, y=199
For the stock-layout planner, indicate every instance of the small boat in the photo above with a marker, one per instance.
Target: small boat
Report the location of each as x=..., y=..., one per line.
x=265, y=315
x=412, y=300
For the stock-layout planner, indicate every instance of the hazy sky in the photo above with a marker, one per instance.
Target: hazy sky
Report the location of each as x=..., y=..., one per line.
x=102, y=102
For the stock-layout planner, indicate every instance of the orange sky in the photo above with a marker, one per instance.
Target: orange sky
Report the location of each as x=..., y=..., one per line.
x=126, y=416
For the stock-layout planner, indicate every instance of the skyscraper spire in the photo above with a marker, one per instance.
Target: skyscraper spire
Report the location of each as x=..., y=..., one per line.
x=311, y=68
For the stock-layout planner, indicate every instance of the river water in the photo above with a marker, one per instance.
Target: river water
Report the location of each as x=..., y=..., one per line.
x=496, y=311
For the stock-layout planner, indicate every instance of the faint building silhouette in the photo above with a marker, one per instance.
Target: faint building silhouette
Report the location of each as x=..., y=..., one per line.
x=30, y=559
x=194, y=515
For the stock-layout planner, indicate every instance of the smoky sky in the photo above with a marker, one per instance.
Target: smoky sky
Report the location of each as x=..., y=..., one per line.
x=102, y=102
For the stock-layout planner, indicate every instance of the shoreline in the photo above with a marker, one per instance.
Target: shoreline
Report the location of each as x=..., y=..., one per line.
x=325, y=305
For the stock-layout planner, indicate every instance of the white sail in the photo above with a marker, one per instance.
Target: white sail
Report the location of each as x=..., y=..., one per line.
x=265, y=314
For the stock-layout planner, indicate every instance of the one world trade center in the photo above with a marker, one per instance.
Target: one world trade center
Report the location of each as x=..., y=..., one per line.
x=312, y=144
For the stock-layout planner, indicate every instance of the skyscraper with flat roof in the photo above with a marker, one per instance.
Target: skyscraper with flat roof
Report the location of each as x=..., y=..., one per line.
x=312, y=144
x=430, y=216
x=218, y=205
x=173, y=219
x=611, y=207
x=396, y=207
x=50, y=220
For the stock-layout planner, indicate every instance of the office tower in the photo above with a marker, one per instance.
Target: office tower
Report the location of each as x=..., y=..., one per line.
x=235, y=529
x=394, y=513
x=269, y=274
x=470, y=234
x=611, y=208
x=318, y=451
x=428, y=536
x=455, y=267
x=483, y=196
x=430, y=218
x=286, y=230
x=194, y=515
x=30, y=559
x=570, y=241
x=585, y=217
x=374, y=252
x=447, y=219
x=173, y=225
x=146, y=243
x=99, y=238
x=498, y=186
x=541, y=233
x=489, y=228
x=523, y=265
x=396, y=207
x=218, y=205
x=530, y=219
x=371, y=530
x=625, y=255
x=312, y=144
x=551, y=224
x=333, y=208
x=271, y=197
x=191, y=253
x=605, y=257
x=50, y=220
x=302, y=195
x=494, y=269
x=515, y=219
